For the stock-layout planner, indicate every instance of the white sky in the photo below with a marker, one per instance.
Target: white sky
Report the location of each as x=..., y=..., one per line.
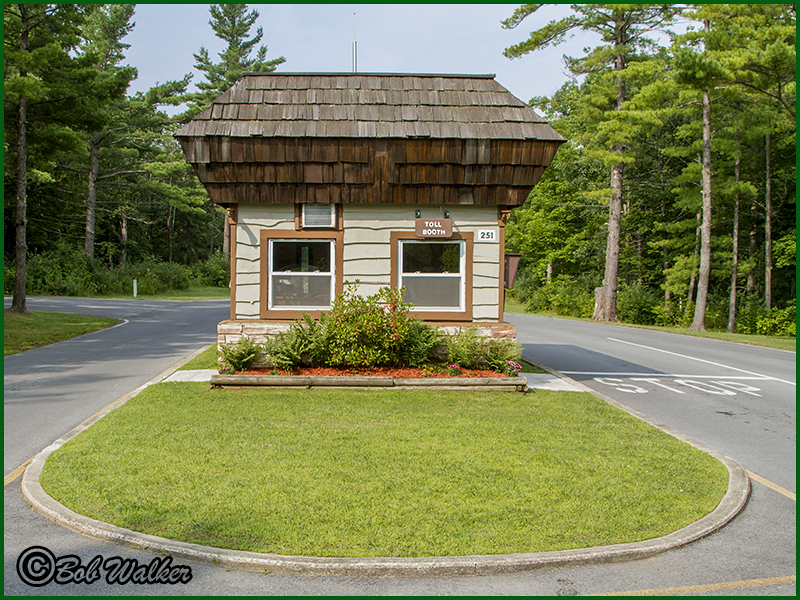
x=422, y=38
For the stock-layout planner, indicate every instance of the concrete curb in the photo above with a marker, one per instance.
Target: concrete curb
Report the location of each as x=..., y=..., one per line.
x=732, y=503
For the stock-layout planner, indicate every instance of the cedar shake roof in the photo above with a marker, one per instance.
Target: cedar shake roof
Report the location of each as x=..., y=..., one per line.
x=370, y=105
x=368, y=138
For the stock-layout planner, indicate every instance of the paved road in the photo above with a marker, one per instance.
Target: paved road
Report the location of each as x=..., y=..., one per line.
x=50, y=390
x=757, y=545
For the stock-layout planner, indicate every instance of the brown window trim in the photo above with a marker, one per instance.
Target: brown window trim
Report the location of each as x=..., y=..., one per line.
x=467, y=237
x=303, y=234
x=298, y=219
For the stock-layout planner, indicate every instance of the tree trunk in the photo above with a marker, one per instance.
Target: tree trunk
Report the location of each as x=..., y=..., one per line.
x=549, y=272
x=226, y=234
x=612, y=246
x=693, y=278
x=735, y=251
x=91, y=195
x=170, y=222
x=18, y=302
x=123, y=242
x=610, y=276
x=699, y=321
x=768, y=235
x=750, y=289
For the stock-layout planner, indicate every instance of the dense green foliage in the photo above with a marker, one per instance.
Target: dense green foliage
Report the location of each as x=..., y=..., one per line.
x=68, y=271
x=241, y=355
x=379, y=330
x=746, y=53
x=359, y=331
x=104, y=175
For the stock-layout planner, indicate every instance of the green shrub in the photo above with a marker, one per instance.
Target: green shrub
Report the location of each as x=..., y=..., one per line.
x=359, y=331
x=750, y=312
x=471, y=351
x=8, y=279
x=466, y=349
x=303, y=344
x=422, y=344
x=367, y=331
x=67, y=271
x=667, y=317
x=500, y=352
x=779, y=321
x=241, y=355
x=563, y=296
x=214, y=272
x=636, y=304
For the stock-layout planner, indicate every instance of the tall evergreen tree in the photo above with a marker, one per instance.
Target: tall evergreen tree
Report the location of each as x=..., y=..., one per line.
x=625, y=30
x=48, y=91
x=231, y=23
x=103, y=32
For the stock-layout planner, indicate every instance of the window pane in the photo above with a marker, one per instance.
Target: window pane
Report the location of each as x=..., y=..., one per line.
x=301, y=290
x=301, y=256
x=432, y=292
x=435, y=257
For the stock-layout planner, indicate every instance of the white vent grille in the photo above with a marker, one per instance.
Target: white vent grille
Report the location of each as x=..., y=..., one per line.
x=319, y=215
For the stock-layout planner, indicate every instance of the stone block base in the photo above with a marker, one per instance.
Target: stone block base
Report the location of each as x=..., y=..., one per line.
x=230, y=332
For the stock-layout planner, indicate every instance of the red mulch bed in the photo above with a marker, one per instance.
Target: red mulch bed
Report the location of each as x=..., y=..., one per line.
x=405, y=372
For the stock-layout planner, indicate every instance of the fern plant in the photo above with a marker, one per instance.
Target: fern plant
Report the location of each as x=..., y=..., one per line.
x=241, y=355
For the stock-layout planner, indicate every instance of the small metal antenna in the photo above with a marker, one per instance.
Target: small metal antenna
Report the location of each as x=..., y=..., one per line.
x=355, y=49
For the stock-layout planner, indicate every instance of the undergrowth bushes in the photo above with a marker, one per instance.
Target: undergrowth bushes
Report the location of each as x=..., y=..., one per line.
x=639, y=305
x=69, y=272
x=379, y=330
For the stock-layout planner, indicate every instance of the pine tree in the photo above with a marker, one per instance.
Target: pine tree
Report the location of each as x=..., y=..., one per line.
x=232, y=23
x=625, y=31
x=103, y=32
x=47, y=95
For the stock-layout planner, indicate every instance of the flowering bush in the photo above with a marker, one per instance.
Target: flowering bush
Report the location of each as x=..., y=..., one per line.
x=359, y=331
x=512, y=368
x=454, y=370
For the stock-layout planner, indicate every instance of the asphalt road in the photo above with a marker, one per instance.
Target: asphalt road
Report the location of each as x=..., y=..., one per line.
x=50, y=390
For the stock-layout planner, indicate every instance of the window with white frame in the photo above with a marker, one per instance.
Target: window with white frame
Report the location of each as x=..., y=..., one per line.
x=301, y=273
x=433, y=274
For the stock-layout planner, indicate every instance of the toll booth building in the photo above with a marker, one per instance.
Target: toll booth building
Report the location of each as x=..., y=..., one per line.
x=390, y=179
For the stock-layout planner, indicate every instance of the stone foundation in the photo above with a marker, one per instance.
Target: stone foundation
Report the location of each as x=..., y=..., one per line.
x=230, y=332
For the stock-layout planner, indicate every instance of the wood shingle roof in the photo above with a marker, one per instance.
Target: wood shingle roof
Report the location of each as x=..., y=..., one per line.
x=357, y=105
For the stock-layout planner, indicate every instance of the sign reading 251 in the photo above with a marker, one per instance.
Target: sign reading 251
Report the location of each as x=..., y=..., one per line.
x=487, y=235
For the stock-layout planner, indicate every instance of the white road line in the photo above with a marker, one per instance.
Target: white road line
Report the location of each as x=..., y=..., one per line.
x=702, y=360
x=670, y=375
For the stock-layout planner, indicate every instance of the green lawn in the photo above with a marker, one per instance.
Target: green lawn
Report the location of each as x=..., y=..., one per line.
x=207, y=359
x=769, y=341
x=382, y=473
x=192, y=293
x=24, y=332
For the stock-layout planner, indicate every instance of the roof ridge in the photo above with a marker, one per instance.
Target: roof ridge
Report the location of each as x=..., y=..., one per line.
x=359, y=74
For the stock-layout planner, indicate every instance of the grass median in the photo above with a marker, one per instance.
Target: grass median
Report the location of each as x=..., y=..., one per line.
x=27, y=331
x=357, y=473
